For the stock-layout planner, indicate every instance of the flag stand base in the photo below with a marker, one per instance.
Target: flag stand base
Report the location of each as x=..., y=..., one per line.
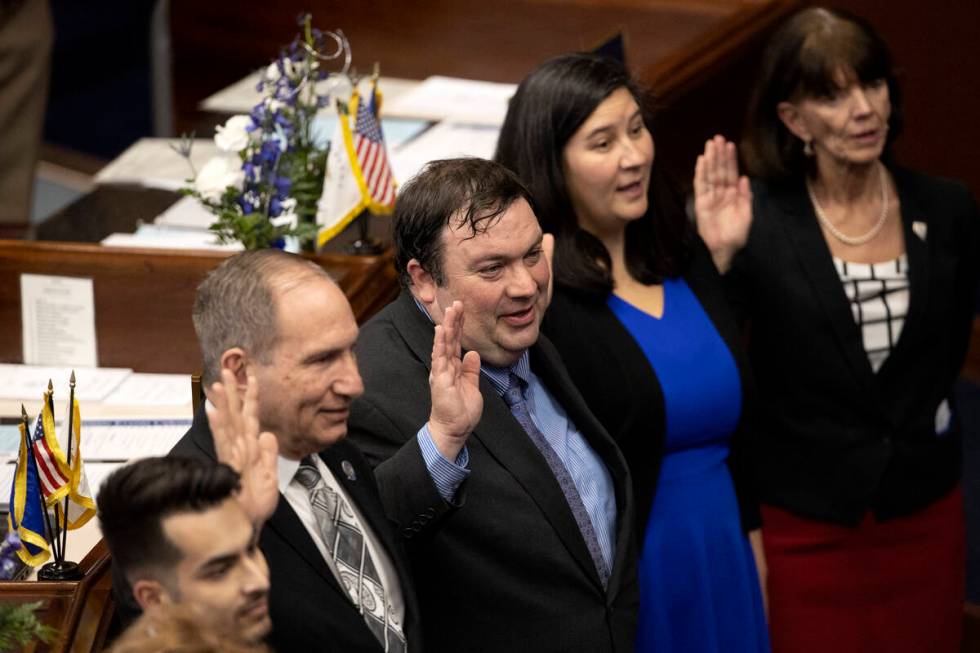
x=364, y=245
x=65, y=570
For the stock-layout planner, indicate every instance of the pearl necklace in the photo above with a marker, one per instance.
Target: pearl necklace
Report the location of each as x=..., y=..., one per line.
x=844, y=238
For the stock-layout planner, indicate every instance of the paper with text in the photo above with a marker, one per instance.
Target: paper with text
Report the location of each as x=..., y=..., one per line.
x=58, y=320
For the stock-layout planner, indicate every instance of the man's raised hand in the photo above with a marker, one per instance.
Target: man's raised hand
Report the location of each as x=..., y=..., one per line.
x=238, y=444
x=455, y=386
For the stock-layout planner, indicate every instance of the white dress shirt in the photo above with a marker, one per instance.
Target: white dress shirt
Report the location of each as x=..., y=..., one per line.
x=299, y=499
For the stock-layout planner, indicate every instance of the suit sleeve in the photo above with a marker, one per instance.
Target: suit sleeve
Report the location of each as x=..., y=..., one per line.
x=408, y=493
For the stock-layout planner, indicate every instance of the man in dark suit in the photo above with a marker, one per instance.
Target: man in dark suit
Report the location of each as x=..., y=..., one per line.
x=542, y=558
x=340, y=578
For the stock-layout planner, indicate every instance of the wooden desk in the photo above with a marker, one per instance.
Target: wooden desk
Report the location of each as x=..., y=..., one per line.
x=143, y=297
x=698, y=56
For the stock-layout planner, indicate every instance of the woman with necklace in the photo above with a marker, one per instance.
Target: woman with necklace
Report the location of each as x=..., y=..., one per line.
x=858, y=280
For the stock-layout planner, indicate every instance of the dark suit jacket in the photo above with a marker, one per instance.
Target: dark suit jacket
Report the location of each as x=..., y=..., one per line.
x=837, y=438
x=309, y=609
x=622, y=390
x=510, y=571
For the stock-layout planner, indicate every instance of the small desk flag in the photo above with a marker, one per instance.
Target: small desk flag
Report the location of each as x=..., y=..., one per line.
x=358, y=173
x=26, y=510
x=81, y=505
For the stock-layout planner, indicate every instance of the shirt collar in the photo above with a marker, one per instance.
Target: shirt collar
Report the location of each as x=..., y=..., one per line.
x=499, y=377
x=287, y=470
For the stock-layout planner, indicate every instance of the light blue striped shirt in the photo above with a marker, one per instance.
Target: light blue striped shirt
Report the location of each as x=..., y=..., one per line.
x=591, y=478
x=446, y=474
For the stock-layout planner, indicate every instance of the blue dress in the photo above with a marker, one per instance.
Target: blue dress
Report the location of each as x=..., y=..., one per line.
x=699, y=590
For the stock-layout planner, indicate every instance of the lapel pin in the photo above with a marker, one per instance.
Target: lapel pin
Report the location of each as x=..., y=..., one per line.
x=920, y=229
x=348, y=470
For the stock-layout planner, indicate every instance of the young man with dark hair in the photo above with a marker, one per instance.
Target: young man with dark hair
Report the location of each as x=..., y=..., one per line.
x=177, y=532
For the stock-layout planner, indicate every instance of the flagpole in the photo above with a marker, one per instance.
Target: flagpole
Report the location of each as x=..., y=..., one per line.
x=71, y=472
x=49, y=397
x=37, y=475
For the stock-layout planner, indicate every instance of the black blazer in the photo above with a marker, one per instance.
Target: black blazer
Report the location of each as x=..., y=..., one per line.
x=622, y=390
x=838, y=439
x=309, y=609
x=510, y=571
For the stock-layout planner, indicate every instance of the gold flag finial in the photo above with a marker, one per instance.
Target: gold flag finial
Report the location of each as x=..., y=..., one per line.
x=71, y=381
x=23, y=412
x=50, y=386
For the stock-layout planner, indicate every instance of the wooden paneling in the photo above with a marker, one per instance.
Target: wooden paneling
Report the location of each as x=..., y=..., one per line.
x=143, y=297
x=496, y=41
x=81, y=611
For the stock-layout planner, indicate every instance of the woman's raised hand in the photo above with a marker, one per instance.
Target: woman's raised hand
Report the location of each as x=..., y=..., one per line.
x=722, y=201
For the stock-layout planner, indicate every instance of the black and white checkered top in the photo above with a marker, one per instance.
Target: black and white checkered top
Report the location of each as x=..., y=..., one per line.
x=879, y=297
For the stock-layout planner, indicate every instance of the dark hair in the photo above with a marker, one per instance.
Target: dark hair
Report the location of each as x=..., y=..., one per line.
x=235, y=305
x=135, y=499
x=470, y=192
x=548, y=108
x=803, y=59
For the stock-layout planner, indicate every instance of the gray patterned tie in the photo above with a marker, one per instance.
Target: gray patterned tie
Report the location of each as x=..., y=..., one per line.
x=514, y=398
x=347, y=546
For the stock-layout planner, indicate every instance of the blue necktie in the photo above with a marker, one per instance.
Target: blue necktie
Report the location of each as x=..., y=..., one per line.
x=514, y=398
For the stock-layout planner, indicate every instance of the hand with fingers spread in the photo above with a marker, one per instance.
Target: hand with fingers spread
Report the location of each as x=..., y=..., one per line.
x=238, y=444
x=722, y=201
x=455, y=386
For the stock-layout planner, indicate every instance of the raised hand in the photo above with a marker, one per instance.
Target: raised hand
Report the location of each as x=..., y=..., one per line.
x=722, y=201
x=455, y=386
x=238, y=444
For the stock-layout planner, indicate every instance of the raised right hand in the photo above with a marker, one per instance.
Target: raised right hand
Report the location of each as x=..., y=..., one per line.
x=455, y=386
x=238, y=444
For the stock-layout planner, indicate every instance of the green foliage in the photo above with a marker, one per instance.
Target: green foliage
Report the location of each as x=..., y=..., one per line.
x=19, y=626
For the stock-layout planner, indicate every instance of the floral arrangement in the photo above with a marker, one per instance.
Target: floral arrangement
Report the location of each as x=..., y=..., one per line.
x=19, y=625
x=265, y=185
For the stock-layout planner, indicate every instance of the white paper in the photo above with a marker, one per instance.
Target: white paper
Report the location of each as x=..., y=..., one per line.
x=241, y=97
x=127, y=439
x=29, y=382
x=187, y=213
x=153, y=163
x=451, y=98
x=152, y=390
x=58, y=320
x=96, y=473
x=443, y=141
x=155, y=236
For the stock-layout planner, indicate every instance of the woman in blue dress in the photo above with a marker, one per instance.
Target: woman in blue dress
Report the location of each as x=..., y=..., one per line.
x=641, y=320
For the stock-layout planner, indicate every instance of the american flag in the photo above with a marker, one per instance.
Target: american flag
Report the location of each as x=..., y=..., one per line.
x=372, y=156
x=52, y=472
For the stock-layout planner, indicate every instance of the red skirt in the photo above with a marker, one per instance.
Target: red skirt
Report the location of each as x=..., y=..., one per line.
x=895, y=586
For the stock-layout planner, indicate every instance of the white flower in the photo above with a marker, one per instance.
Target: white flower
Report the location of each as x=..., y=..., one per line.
x=287, y=217
x=272, y=72
x=216, y=175
x=233, y=136
x=273, y=105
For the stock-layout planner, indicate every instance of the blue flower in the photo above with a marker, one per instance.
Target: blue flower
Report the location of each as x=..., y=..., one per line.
x=282, y=184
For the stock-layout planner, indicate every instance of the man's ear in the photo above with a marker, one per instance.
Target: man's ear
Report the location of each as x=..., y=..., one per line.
x=423, y=285
x=236, y=360
x=149, y=593
x=790, y=116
